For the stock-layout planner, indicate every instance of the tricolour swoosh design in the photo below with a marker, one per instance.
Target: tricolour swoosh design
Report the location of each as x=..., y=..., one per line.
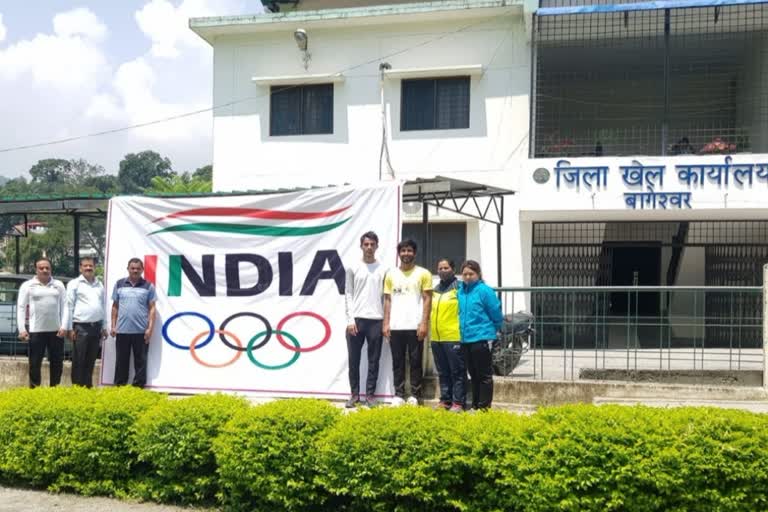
x=252, y=213
x=247, y=229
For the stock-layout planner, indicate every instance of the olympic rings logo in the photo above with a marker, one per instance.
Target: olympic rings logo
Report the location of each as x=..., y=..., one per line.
x=257, y=341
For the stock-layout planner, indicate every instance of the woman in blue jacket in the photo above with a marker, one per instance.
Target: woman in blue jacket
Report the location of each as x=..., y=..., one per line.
x=480, y=319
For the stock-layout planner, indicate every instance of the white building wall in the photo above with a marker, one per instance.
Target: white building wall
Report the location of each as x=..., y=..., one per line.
x=247, y=157
x=493, y=150
x=244, y=150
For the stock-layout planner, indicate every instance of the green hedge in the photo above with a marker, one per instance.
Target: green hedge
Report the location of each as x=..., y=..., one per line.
x=266, y=456
x=395, y=459
x=305, y=455
x=70, y=438
x=173, y=444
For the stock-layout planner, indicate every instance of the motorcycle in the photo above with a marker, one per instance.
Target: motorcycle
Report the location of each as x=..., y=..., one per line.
x=513, y=342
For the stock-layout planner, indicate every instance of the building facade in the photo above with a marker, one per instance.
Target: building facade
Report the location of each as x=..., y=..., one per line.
x=635, y=135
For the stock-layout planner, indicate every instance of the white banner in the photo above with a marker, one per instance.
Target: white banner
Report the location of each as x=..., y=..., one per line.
x=250, y=289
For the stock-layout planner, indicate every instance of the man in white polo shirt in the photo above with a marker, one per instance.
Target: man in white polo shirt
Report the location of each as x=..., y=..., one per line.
x=84, y=321
x=45, y=298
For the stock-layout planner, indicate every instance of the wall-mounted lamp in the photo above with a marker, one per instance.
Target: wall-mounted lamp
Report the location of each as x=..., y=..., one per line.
x=302, y=41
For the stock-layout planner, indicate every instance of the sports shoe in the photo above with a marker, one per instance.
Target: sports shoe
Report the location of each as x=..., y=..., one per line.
x=370, y=402
x=442, y=406
x=352, y=402
x=412, y=400
x=456, y=408
x=397, y=401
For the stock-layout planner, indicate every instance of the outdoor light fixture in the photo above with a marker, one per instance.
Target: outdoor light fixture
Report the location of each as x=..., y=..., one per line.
x=302, y=41
x=300, y=35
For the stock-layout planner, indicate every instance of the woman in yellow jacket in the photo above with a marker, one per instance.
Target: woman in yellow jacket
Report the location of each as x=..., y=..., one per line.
x=446, y=338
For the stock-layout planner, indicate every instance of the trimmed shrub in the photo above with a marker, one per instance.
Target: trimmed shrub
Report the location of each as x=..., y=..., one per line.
x=303, y=454
x=266, y=456
x=70, y=438
x=397, y=459
x=173, y=442
x=638, y=458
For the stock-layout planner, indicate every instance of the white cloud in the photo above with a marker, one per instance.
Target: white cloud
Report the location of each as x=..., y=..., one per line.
x=79, y=22
x=70, y=58
x=133, y=100
x=64, y=83
x=3, y=31
x=167, y=25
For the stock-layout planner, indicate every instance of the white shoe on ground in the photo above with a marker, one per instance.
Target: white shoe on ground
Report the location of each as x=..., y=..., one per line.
x=412, y=401
x=397, y=401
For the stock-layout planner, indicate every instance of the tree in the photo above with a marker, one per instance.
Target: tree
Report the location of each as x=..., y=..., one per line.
x=178, y=184
x=55, y=243
x=105, y=184
x=82, y=171
x=138, y=169
x=51, y=171
x=204, y=173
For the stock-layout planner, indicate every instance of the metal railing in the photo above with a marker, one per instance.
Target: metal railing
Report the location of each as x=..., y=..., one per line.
x=589, y=332
x=601, y=332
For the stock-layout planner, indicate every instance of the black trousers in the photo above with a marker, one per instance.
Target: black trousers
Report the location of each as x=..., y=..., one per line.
x=477, y=357
x=39, y=342
x=367, y=330
x=85, y=350
x=401, y=342
x=124, y=345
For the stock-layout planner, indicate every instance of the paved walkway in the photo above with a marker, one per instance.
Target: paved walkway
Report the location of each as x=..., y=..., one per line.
x=17, y=500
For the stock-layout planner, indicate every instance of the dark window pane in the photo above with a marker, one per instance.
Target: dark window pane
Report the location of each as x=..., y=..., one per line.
x=318, y=109
x=449, y=240
x=285, y=115
x=435, y=104
x=452, y=103
x=418, y=107
x=301, y=110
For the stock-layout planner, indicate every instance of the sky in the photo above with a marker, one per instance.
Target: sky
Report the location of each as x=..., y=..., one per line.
x=70, y=68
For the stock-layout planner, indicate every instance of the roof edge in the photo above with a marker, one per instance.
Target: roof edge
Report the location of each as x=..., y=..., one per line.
x=201, y=25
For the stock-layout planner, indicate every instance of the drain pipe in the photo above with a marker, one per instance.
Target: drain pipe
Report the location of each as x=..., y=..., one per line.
x=384, y=152
x=765, y=327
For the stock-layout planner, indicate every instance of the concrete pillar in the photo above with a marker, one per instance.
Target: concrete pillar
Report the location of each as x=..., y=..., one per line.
x=765, y=327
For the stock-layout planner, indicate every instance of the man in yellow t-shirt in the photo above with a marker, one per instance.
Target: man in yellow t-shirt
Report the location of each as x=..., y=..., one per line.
x=407, y=303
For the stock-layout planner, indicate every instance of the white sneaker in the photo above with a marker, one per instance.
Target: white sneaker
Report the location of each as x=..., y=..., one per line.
x=412, y=401
x=397, y=401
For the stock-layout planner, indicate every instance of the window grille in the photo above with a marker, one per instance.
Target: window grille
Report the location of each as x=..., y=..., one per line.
x=655, y=82
x=698, y=233
x=435, y=104
x=301, y=110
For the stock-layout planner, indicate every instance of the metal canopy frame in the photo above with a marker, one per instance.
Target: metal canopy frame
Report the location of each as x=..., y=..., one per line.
x=473, y=200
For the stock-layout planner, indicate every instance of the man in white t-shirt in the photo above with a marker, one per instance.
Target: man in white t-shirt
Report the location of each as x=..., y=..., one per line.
x=407, y=304
x=44, y=296
x=363, y=303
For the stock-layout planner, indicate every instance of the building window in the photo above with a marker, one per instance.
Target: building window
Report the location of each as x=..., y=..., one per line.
x=301, y=110
x=448, y=240
x=435, y=104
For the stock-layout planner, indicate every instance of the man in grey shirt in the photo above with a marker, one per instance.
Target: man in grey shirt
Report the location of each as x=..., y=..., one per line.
x=133, y=318
x=44, y=296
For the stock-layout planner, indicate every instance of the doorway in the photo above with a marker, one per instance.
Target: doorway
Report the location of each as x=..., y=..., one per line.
x=635, y=266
